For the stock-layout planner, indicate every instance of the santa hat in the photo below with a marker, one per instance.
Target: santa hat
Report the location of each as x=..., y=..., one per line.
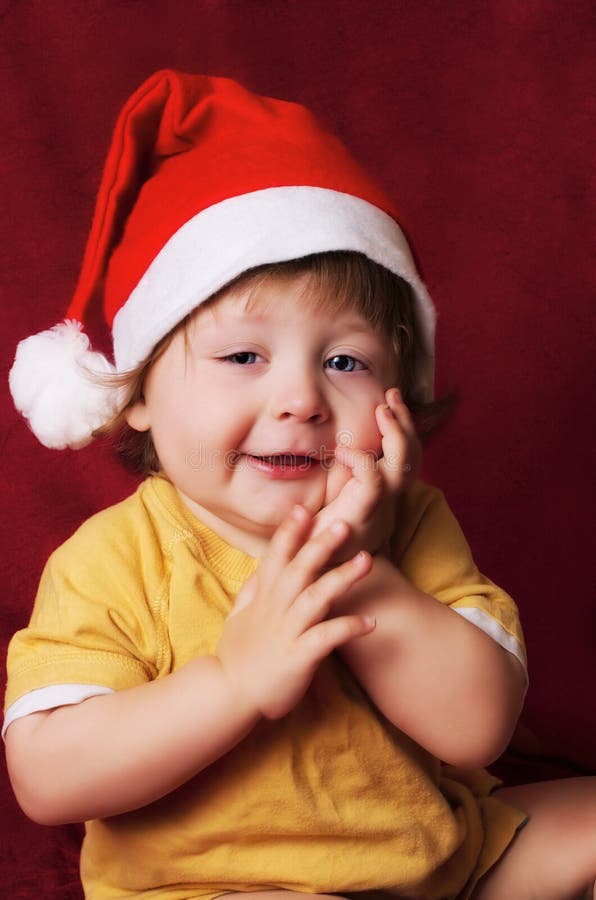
x=203, y=180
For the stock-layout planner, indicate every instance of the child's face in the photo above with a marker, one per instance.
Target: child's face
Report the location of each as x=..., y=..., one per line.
x=246, y=408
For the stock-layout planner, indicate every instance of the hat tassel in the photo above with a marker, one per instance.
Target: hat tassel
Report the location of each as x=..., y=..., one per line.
x=58, y=383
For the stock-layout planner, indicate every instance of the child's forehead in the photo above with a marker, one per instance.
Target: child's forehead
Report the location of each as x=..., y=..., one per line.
x=278, y=298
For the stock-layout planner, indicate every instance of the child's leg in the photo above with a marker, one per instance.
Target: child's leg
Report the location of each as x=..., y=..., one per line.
x=554, y=856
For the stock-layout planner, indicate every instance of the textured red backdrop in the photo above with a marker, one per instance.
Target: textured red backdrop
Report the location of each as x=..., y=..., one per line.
x=478, y=118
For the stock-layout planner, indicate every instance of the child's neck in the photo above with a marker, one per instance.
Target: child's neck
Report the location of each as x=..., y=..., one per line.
x=251, y=543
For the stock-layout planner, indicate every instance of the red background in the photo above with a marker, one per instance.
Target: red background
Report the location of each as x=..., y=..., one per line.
x=478, y=119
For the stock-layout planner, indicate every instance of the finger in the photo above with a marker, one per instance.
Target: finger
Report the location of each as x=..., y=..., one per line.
x=315, y=602
x=320, y=640
x=366, y=474
x=394, y=412
x=288, y=537
x=312, y=558
x=398, y=407
x=401, y=446
x=395, y=447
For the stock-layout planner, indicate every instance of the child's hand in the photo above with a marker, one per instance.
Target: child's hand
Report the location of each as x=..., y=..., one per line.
x=362, y=489
x=279, y=630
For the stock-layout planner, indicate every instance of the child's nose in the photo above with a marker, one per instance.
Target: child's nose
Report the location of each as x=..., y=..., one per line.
x=301, y=398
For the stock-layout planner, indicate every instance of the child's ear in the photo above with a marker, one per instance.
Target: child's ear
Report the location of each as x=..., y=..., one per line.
x=137, y=416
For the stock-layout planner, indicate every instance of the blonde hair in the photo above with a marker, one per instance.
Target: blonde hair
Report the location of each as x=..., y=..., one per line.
x=338, y=280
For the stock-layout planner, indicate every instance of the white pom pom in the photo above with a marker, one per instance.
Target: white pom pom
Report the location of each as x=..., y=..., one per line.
x=54, y=385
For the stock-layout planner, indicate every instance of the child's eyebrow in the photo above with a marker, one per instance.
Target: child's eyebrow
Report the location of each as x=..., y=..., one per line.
x=243, y=325
x=237, y=317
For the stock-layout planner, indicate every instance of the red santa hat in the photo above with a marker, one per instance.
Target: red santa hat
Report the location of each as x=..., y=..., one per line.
x=203, y=180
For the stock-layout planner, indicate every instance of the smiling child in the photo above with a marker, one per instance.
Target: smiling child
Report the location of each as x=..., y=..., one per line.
x=275, y=668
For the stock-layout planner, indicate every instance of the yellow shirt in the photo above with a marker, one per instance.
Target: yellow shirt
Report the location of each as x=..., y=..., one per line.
x=332, y=798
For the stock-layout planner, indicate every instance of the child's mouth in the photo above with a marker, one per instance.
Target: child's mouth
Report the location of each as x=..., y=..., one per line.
x=283, y=465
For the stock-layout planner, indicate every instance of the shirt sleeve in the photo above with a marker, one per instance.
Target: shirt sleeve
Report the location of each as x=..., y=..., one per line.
x=432, y=552
x=93, y=623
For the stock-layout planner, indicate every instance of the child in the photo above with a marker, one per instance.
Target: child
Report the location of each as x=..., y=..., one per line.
x=177, y=688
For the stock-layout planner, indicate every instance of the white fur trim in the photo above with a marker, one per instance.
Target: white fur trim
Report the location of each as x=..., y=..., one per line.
x=260, y=227
x=52, y=385
x=51, y=697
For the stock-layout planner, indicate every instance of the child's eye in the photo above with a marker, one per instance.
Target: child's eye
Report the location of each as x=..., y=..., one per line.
x=242, y=358
x=344, y=363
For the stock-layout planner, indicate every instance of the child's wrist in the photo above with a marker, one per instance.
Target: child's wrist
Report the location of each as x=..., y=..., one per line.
x=235, y=697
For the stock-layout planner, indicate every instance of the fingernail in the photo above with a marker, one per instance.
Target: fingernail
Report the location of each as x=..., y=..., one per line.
x=360, y=557
x=370, y=621
x=297, y=513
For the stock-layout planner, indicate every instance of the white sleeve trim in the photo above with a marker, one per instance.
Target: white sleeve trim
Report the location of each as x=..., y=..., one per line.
x=49, y=698
x=493, y=628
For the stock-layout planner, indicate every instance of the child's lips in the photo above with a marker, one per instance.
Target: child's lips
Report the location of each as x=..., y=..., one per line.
x=283, y=465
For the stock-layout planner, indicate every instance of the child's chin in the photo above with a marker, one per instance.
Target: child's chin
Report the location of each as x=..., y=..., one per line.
x=267, y=524
x=267, y=521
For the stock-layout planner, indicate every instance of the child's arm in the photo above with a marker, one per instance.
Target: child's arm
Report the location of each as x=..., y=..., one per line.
x=117, y=752
x=436, y=676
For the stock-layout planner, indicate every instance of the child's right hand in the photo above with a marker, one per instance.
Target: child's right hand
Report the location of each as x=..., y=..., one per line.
x=281, y=628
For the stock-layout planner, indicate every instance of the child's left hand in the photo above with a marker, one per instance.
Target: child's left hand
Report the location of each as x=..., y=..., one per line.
x=362, y=489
